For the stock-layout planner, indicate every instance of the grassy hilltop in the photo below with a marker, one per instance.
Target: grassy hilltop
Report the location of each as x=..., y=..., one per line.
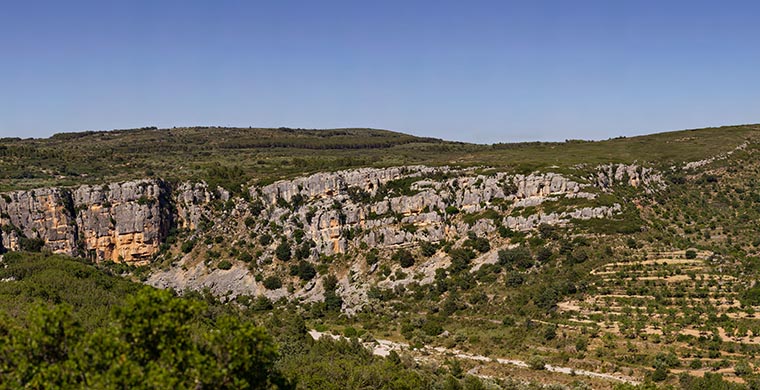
x=263, y=155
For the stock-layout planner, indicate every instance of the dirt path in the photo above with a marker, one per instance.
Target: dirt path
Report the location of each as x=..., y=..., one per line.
x=384, y=347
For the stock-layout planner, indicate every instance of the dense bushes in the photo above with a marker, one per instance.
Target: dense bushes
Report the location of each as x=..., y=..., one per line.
x=272, y=283
x=224, y=264
x=283, y=251
x=519, y=257
x=303, y=270
x=404, y=258
x=151, y=340
x=188, y=246
x=67, y=324
x=31, y=244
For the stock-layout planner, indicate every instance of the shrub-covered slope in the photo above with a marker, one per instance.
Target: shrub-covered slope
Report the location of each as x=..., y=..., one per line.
x=626, y=260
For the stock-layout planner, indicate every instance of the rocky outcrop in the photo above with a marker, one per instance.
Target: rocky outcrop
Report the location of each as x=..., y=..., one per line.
x=333, y=212
x=632, y=175
x=329, y=184
x=710, y=160
x=416, y=213
x=43, y=214
x=119, y=222
x=543, y=185
x=524, y=223
x=330, y=218
x=191, y=200
x=122, y=222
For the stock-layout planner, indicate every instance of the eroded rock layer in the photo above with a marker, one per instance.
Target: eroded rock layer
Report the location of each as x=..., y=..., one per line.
x=374, y=207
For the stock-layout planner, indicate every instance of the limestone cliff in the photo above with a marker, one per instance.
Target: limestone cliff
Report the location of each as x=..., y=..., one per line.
x=325, y=216
x=119, y=222
x=318, y=217
x=122, y=222
x=38, y=215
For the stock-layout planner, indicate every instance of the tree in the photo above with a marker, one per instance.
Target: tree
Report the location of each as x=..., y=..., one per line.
x=660, y=374
x=536, y=363
x=543, y=255
x=333, y=301
x=428, y=249
x=579, y=255
x=153, y=340
x=742, y=368
x=514, y=279
x=404, y=257
x=188, y=246
x=519, y=257
x=460, y=259
x=272, y=283
x=265, y=239
x=372, y=256
x=283, y=251
x=306, y=271
x=546, y=299
x=224, y=264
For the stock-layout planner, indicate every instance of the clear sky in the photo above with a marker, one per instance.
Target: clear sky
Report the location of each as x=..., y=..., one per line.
x=479, y=71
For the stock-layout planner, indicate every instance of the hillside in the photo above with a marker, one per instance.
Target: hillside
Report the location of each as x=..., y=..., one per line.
x=264, y=155
x=602, y=264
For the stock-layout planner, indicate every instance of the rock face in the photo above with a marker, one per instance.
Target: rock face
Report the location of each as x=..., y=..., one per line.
x=388, y=206
x=318, y=217
x=191, y=201
x=38, y=215
x=366, y=202
x=632, y=175
x=119, y=222
x=122, y=222
x=325, y=184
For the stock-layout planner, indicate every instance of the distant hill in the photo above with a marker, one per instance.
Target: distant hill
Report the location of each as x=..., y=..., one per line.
x=263, y=155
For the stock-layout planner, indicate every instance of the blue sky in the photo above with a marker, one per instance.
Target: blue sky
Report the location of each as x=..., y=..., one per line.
x=478, y=71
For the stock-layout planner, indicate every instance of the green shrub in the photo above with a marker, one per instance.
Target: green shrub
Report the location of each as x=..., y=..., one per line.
x=272, y=283
x=249, y=222
x=460, y=259
x=404, y=258
x=224, y=264
x=742, y=368
x=480, y=244
x=265, y=239
x=188, y=246
x=372, y=256
x=519, y=257
x=660, y=374
x=283, y=251
x=428, y=249
x=514, y=279
x=306, y=271
x=536, y=362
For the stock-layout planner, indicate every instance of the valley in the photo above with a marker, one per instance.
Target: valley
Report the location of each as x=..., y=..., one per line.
x=605, y=264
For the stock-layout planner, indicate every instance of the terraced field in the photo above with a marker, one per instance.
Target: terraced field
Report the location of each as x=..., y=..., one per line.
x=685, y=303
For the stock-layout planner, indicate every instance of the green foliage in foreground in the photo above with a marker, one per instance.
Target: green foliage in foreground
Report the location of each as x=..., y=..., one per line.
x=154, y=341
x=66, y=324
